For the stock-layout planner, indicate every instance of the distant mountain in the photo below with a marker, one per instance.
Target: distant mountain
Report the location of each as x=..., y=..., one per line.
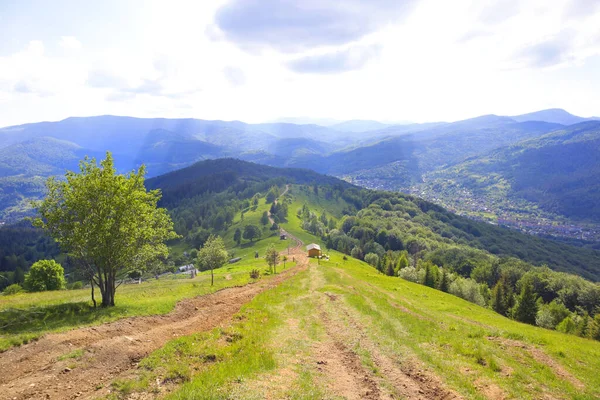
x=553, y=115
x=307, y=121
x=398, y=154
x=358, y=125
x=558, y=172
x=24, y=167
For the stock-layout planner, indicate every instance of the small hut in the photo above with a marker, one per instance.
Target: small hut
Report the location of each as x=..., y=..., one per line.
x=314, y=250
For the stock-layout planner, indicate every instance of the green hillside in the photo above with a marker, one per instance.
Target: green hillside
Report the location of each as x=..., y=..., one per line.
x=338, y=326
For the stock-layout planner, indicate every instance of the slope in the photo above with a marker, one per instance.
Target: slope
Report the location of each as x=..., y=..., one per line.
x=556, y=172
x=336, y=329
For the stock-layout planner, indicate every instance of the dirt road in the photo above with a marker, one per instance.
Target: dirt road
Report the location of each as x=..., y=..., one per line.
x=39, y=370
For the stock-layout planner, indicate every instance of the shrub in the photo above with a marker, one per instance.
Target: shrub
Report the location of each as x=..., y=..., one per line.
x=77, y=285
x=254, y=274
x=409, y=274
x=13, y=289
x=45, y=275
x=372, y=259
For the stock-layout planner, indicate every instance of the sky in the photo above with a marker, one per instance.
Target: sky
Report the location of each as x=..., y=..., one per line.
x=262, y=60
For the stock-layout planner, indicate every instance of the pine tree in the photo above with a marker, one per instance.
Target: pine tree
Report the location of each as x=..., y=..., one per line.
x=390, y=269
x=527, y=307
x=444, y=281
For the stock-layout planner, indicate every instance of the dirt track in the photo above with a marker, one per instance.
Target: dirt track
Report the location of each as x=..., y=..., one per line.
x=111, y=350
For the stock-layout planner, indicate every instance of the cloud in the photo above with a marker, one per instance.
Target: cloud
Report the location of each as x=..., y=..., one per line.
x=235, y=76
x=149, y=87
x=475, y=34
x=499, y=11
x=295, y=25
x=581, y=8
x=70, y=43
x=104, y=79
x=22, y=87
x=548, y=53
x=349, y=59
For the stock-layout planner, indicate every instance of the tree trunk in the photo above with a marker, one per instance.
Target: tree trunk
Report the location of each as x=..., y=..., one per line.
x=107, y=289
x=93, y=298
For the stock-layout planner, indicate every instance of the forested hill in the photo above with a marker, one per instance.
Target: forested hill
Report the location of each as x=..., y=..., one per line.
x=205, y=197
x=233, y=176
x=557, y=172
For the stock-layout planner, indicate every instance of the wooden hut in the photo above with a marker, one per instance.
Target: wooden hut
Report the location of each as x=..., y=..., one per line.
x=314, y=250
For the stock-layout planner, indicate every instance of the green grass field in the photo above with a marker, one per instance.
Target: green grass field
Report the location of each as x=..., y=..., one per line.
x=269, y=349
x=24, y=317
x=308, y=337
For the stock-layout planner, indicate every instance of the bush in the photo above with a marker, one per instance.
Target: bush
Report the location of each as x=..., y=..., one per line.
x=372, y=259
x=409, y=274
x=76, y=285
x=467, y=289
x=254, y=274
x=13, y=289
x=45, y=275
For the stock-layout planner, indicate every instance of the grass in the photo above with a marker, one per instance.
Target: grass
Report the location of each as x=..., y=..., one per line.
x=468, y=347
x=25, y=317
x=268, y=348
x=223, y=363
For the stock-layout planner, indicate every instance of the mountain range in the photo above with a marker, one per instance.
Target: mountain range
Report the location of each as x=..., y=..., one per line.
x=368, y=153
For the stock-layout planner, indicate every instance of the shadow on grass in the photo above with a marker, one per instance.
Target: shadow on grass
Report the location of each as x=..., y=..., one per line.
x=40, y=319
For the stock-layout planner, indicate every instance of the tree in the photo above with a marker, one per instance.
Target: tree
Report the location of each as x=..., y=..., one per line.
x=372, y=259
x=526, y=308
x=212, y=255
x=107, y=220
x=443, y=286
x=45, y=275
x=251, y=232
x=284, y=259
x=272, y=257
x=402, y=262
x=265, y=218
x=237, y=236
x=389, y=271
x=502, y=296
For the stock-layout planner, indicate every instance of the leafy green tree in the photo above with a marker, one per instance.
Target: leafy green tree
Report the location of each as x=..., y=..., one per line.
x=284, y=259
x=264, y=219
x=237, y=236
x=372, y=259
x=431, y=275
x=402, y=262
x=251, y=232
x=272, y=195
x=45, y=275
x=107, y=220
x=527, y=307
x=594, y=329
x=212, y=256
x=13, y=289
x=272, y=257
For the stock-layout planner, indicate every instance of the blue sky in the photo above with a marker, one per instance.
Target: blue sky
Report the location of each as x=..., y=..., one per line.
x=259, y=60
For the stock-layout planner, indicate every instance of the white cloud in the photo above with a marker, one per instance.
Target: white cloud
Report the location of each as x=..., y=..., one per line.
x=440, y=61
x=70, y=43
